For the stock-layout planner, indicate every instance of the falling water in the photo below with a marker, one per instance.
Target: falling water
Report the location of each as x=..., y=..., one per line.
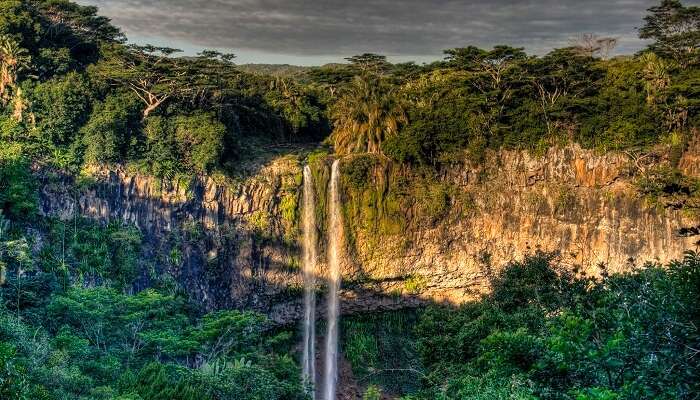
x=309, y=264
x=335, y=243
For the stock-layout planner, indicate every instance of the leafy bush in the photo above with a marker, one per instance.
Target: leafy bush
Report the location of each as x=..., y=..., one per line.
x=200, y=141
x=381, y=350
x=551, y=335
x=111, y=128
x=356, y=172
x=669, y=187
x=161, y=148
x=18, y=198
x=91, y=252
x=61, y=107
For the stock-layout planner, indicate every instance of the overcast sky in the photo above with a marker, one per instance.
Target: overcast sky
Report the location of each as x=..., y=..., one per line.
x=319, y=31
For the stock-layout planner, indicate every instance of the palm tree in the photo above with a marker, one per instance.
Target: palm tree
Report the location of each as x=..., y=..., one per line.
x=656, y=77
x=365, y=115
x=13, y=59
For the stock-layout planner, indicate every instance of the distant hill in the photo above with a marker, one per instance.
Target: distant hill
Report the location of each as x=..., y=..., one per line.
x=282, y=70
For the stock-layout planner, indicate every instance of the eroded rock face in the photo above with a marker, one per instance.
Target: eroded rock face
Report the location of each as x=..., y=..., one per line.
x=571, y=201
x=235, y=241
x=689, y=163
x=223, y=241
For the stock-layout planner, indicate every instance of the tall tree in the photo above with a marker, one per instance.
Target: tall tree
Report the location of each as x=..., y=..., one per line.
x=655, y=76
x=13, y=59
x=210, y=73
x=75, y=25
x=676, y=31
x=148, y=71
x=369, y=63
x=19, y=251
x=493, y=62
x=4, y=229
x=591, y=45
x=494, y=73
x=559, y=75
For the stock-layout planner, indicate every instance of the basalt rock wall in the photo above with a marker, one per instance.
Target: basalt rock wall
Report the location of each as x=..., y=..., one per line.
x=234, y=244
x=583, y=206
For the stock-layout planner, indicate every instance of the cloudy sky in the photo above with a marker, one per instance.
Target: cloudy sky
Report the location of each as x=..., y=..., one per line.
x=318, y=31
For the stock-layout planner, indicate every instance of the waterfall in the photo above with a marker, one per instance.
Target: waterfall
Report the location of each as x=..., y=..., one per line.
x=335, y=248
x=309, y=269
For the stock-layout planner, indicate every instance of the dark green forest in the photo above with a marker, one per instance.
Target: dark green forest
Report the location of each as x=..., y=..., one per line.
x=74, y=93
x=543, y=333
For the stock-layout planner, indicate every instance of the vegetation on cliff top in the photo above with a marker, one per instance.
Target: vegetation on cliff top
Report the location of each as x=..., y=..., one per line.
x=74, y=92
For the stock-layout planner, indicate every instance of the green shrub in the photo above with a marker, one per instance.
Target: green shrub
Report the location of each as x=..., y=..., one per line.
x=260, y=222
x=372, y=393
x=61, y=107
x=668, y=187
x=200, y=141
x=18, y=188
x=541, y=333
x=290, y=215
x=357, y=171
x=112, y=127
x=161, y=152
x=415, y=284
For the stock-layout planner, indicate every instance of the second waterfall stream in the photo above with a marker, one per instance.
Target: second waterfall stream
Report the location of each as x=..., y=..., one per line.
x=309, y=244
x=335, y=249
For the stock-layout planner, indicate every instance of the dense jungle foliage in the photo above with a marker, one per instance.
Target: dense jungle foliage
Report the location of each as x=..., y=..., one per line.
x=542, y=333
x=74, y=92
x=72, y=327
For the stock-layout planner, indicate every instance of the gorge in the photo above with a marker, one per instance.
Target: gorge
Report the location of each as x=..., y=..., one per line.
x=568, y=199
x=490, y=224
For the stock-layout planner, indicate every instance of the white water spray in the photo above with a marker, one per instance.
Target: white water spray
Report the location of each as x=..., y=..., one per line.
x=335, y=249
x=309, y=269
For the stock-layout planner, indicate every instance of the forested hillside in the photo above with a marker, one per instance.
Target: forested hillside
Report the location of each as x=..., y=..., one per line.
x=75, y=96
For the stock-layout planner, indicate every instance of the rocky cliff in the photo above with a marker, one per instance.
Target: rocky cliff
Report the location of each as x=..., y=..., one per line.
x=411, y=237
x=582, y=205
x=226, y=242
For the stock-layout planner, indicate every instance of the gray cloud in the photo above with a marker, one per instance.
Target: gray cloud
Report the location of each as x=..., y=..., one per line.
x=407, y=28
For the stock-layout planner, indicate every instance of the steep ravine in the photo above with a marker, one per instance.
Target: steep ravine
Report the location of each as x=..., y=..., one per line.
x=234, y=243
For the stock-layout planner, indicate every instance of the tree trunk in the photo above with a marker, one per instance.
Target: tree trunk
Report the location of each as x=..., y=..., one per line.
x=150, y=108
